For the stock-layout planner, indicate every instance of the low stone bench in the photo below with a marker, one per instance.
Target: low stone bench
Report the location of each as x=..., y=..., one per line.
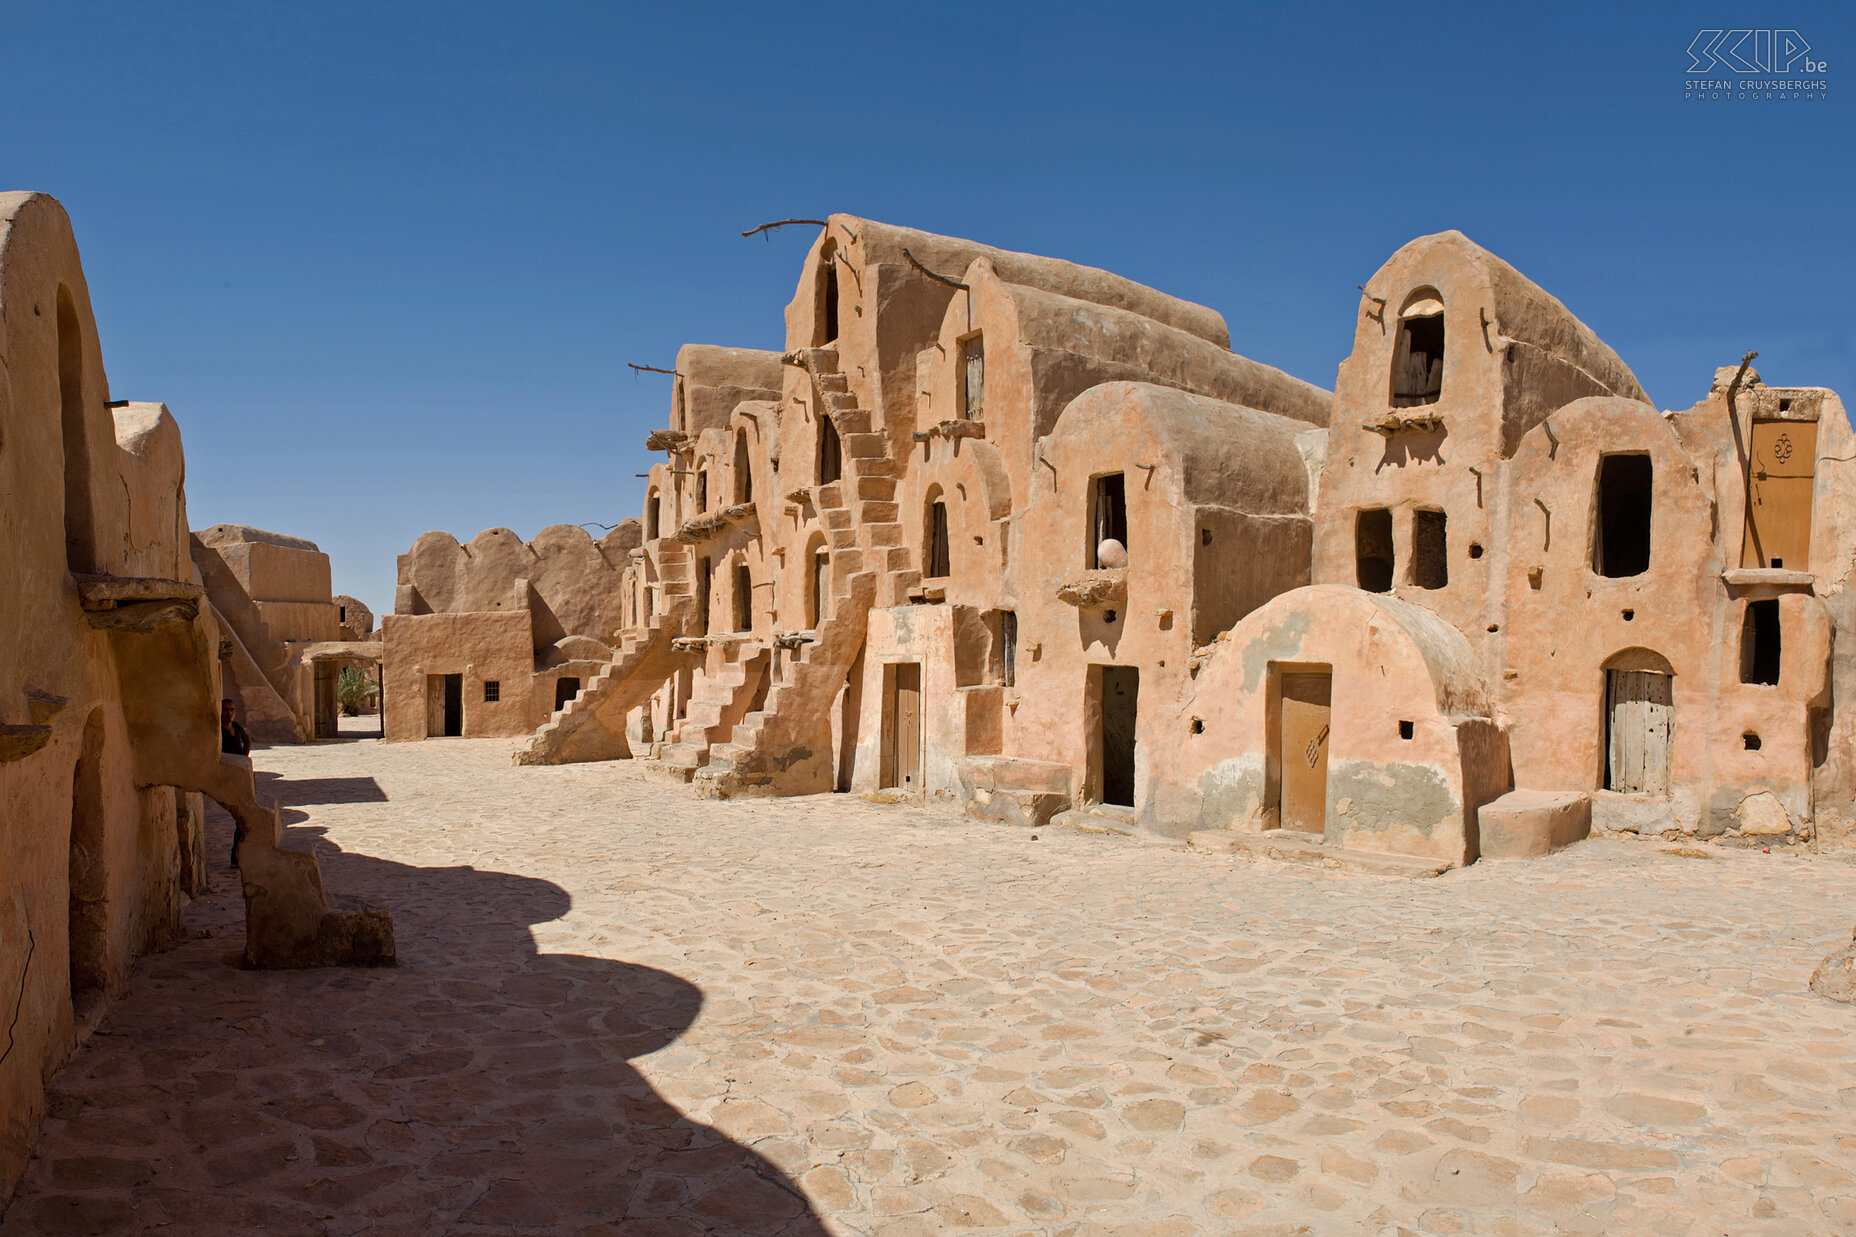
x=1525, y=824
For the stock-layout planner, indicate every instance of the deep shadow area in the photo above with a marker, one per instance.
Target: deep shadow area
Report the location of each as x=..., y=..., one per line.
x=479, y=1086
x=307, y=791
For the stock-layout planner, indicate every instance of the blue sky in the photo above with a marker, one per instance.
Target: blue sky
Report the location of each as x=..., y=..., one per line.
x=386, y=263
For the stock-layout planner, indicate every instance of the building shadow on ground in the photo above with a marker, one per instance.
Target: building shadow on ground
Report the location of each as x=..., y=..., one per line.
x=482, y=1085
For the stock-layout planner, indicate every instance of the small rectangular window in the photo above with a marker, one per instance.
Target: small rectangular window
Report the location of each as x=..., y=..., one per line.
x=492, y=691
x=1759, y=643
x=1621, y=540
x=973, y=378
x=1109, y=522
x=341, y=615
x=938, y=564
x=1430, y=549
x=1372, y=550
x=1008, y=640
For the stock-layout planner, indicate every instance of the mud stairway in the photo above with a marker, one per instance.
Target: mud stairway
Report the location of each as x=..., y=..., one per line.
x=785, y=746
x=591, y=726
x=712, y=714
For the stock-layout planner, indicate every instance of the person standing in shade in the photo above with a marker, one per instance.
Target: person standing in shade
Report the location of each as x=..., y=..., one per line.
x=235, y=739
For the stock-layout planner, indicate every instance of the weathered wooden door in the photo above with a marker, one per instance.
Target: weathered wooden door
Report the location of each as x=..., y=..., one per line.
x=1121, y=693
x=1783, y=463
x=1307, y=712
x=1641, y=715
x=328, y=705
x=434, y=706
x=903, y=761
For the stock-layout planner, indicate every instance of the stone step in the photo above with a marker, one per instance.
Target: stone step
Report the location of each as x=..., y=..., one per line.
x=863, y=445
x=1293, y=846
x=878, y=512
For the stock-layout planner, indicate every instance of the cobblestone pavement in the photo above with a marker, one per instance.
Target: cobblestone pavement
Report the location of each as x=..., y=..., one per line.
x=621, y=1010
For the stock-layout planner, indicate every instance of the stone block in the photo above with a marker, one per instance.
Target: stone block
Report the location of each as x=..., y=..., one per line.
x=1525, y=824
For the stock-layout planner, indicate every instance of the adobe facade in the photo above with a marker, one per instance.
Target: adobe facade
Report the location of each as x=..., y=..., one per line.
x=284, y=636
x=1025, y=535
x=487, y=639
x=109, y=694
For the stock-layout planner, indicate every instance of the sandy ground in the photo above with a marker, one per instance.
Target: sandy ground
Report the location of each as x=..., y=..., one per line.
x=622, y=1010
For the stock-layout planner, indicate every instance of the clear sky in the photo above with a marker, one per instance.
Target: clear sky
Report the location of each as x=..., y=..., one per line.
x=386, y=263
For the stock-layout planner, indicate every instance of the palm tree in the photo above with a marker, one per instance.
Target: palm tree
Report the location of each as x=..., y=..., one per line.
x=353, y=690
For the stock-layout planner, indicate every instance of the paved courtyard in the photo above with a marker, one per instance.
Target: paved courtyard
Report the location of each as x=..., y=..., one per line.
x=621, y=1010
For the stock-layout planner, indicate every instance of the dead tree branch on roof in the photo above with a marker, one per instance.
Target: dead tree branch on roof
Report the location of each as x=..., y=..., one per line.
x=652, y=369
x=952, y=283
x=784, y=223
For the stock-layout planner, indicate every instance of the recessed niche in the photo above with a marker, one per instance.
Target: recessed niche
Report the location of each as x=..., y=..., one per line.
x=1405, y=730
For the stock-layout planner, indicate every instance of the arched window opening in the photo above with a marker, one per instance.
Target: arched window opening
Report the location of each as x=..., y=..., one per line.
x=705, y=583
x=818, y=594
x=1621, y=542
x=702, y=491
x=744, y=598
x=973, y=378
x=826, y=331
x=830, y=452
x=1108, y=522
x=79, y=537
x=744, y=469
x=1418, y=355
x=653, y=516
x=936, y=556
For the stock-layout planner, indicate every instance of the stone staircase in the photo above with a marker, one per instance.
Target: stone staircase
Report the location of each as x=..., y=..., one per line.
x=715, y=709
x=785, y=746
x=859, y=511
x=591, y=726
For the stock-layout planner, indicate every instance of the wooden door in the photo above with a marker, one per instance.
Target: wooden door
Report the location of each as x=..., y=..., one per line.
x=1783, y=463
x=327, y=704
x=1121, y=692
x=434, y=706
x=1307, y=713
x=1640, y=717
x=903, y=760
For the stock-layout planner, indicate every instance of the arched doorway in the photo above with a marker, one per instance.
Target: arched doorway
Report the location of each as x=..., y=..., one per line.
x=79, y=538
x=1639, y=722
x=88, y=875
